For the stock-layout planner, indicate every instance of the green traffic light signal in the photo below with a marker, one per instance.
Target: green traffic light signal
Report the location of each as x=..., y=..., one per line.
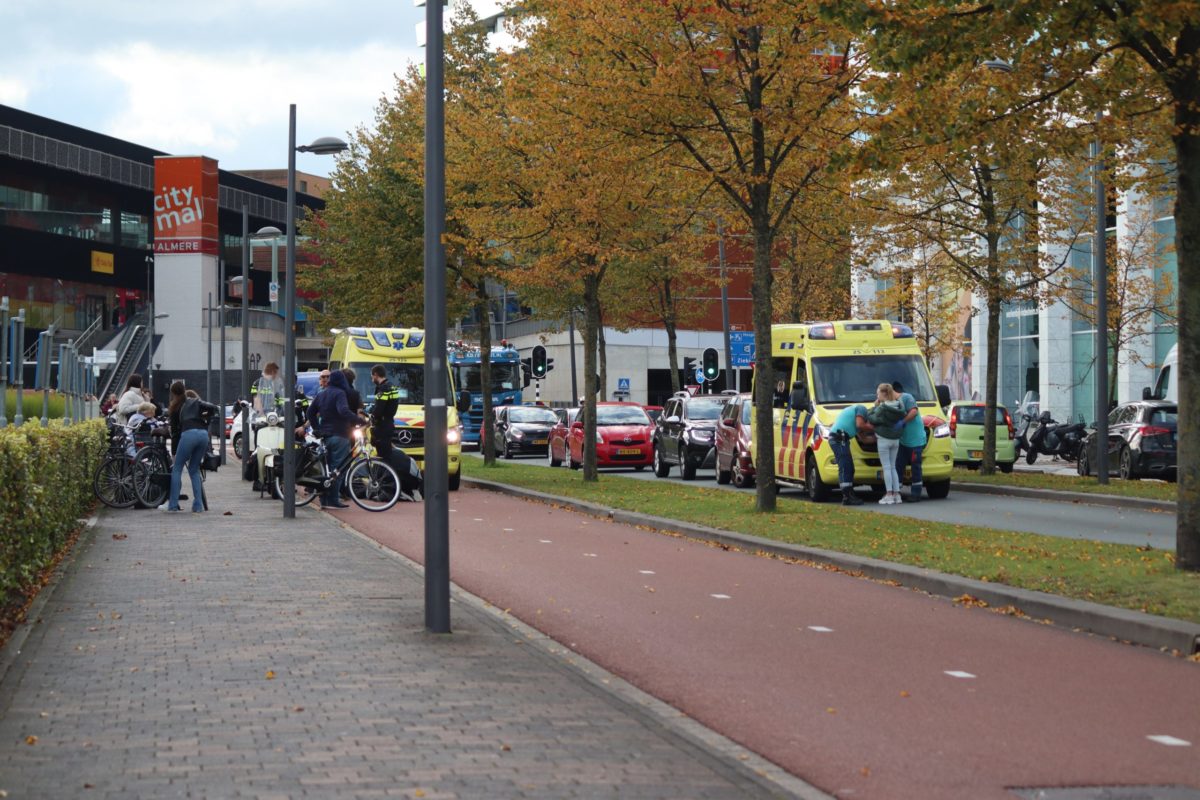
x=712, y=367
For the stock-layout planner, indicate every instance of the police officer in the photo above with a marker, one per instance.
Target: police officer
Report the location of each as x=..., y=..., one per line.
x=383, y=413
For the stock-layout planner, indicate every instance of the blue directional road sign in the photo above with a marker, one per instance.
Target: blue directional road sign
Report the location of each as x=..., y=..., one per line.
x=741, y=343
x=623, y=385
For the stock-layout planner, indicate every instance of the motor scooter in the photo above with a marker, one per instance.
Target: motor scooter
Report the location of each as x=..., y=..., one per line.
x=1027, y=421
x=268, y=451
x=1055, y=439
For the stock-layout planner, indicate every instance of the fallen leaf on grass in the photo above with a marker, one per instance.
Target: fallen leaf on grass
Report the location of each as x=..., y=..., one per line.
x=120, y=536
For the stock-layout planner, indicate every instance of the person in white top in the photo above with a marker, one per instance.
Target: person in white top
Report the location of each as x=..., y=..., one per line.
x=133, y=397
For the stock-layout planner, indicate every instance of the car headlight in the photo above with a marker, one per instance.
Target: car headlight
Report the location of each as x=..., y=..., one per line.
x=941, y=431
x=701, y=435
x=517, y=433
x=272, y=418
x=358, y=434
x=454, y=435
x=599, y=438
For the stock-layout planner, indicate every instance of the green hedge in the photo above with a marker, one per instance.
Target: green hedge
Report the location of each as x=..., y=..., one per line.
x=45, y=487
x=32, y=405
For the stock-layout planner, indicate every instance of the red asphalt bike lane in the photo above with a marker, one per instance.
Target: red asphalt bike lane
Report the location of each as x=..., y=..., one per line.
x=862, y=689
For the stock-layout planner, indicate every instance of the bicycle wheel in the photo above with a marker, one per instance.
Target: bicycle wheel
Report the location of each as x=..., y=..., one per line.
x=373, y=484
x=113, y=483
x=305, y=494
x=151, y=479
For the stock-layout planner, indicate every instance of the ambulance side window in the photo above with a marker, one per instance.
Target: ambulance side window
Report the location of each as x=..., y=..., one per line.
x=782, y=369
x=800, y=395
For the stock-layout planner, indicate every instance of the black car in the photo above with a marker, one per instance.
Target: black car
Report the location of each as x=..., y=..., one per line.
x=1142, y=438
x=684, y=433
x=523, y=429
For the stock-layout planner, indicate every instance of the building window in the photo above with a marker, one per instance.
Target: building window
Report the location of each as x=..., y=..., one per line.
x=1019, y=358
x=66, y=213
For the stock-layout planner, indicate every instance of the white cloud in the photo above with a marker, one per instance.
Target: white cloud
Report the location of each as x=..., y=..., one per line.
x=233, y=104
x=13, y=92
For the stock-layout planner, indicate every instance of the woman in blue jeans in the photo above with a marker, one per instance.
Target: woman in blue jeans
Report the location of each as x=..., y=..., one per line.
x=190, y=416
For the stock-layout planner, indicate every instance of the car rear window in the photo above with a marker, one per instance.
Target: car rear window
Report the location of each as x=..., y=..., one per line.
x=1168, y=417
x=973, y=415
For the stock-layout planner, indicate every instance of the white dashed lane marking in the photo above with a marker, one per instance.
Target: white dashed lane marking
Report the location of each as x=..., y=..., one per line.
x=820, y=629
x=957, y=673
x=589, y=555
x=646, y=571
x=508, y=530
x=1169, y=741
x=720, y=596
x=544, y=541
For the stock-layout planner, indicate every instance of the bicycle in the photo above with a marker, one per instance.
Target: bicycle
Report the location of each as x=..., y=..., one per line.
x=121, y=479
x=372, y=483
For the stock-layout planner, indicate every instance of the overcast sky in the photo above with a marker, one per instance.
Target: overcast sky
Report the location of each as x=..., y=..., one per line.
x=213, y=77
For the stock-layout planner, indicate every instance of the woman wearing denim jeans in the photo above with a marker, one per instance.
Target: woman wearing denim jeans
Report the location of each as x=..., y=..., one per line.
x=193, y=415
x=888, y=418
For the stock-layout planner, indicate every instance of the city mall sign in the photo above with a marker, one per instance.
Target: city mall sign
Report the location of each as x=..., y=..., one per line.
x=185, y=205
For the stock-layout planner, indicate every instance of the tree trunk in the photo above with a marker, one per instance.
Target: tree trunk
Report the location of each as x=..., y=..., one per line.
x=591, y=325
x=1187, y=248
x=764, y=389
x=487, y=429
x=988, y=466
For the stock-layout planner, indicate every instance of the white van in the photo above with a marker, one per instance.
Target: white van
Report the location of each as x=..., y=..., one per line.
x=1167, y=385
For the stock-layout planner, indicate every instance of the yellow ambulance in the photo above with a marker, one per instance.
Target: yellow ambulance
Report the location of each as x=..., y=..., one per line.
x=820, y=368
x=402, y=352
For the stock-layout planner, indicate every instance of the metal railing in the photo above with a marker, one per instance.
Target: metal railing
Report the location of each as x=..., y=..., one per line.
x=258, y=318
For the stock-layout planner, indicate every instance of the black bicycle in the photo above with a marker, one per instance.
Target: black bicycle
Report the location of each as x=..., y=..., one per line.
x=371, y=482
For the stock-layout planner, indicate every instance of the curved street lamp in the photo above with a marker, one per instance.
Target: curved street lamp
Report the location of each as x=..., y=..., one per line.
x=326, y=145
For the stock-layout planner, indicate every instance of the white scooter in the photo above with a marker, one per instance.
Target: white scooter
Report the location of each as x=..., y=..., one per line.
x=268, y=450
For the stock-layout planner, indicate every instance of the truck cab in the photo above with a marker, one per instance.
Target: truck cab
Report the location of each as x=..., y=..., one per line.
x=506, y=382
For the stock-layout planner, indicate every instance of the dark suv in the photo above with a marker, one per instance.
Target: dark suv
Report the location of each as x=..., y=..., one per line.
x=684, y=433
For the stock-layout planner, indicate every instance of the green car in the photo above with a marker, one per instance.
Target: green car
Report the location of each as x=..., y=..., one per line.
x=966, y=435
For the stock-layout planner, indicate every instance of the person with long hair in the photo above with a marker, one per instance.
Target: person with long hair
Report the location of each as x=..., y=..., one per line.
x=888, y=418
x=194, y=415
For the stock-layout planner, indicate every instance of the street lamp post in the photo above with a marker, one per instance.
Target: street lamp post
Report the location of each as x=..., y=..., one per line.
x=326, y=145
x=150, y=327
x=1100, y=284
x=437, y=501
x=729, y=382
x=245, y=328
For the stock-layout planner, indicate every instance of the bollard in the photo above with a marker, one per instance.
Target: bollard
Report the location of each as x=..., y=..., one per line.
x=42, y=378
x=17, y=342
x=63, y=349
x=4, y=362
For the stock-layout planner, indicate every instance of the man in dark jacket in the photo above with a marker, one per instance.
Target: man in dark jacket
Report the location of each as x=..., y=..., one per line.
x=383, y=413
x=333, y=421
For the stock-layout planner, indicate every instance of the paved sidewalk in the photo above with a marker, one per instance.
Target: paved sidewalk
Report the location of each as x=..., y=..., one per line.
x=228, y=654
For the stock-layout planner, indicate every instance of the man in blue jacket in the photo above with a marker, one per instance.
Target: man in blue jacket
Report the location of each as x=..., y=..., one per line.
x=912, y=443
x=333, y=421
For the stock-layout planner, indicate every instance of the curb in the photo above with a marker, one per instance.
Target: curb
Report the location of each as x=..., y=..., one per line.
x=1087, y=498
x=1135, y=627
x=732, y=756
x=11, y=650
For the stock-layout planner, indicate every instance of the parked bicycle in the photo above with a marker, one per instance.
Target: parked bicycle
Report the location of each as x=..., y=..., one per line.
x=123, y=478
x=371, y=482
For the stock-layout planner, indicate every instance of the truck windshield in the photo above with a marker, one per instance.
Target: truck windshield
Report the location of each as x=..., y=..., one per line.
x=503, y=377
x=407, y=376
x=854, y=379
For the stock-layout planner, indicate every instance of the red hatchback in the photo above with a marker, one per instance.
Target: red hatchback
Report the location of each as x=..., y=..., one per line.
x=732, y=443
x=558, y=450
x=624, y=437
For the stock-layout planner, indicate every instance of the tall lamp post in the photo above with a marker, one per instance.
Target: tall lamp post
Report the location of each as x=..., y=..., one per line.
x=1100, y=282
x=245, y=329
x=150, y=326
x=326, y=145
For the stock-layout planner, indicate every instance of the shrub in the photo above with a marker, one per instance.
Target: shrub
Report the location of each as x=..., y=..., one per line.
x=45, y=486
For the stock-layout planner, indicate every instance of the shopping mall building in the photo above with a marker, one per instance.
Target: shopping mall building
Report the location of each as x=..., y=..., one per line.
x=89, y=237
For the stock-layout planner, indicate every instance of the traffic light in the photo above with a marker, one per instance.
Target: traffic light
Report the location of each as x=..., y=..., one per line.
x=526, y=371
x=538, y=362
x=549, y=364
x=689, y=367
x=711, y=366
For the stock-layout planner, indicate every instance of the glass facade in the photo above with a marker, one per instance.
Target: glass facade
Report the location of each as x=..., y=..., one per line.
x=1019, y=356
x=70, y=211
x=1166, y=270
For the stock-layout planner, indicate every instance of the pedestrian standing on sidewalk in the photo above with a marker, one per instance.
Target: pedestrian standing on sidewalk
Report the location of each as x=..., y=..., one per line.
x=193, y=420
x=888, y=418
x=846, y=427
x=353, y=398
x=912, y=443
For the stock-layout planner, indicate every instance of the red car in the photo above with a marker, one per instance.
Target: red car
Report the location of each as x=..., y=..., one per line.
x=557, y=450
x=624, y=437
x=732, y=443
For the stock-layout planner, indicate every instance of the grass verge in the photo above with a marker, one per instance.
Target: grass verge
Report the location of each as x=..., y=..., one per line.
x=1118, y=575
x=1151, y=490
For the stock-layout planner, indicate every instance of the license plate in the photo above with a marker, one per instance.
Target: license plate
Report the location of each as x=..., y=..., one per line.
x=975, y=453
x=539, y=441
x=629, y=451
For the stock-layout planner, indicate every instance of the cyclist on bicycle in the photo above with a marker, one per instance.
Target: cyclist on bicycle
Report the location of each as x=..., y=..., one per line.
x=333, y=421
